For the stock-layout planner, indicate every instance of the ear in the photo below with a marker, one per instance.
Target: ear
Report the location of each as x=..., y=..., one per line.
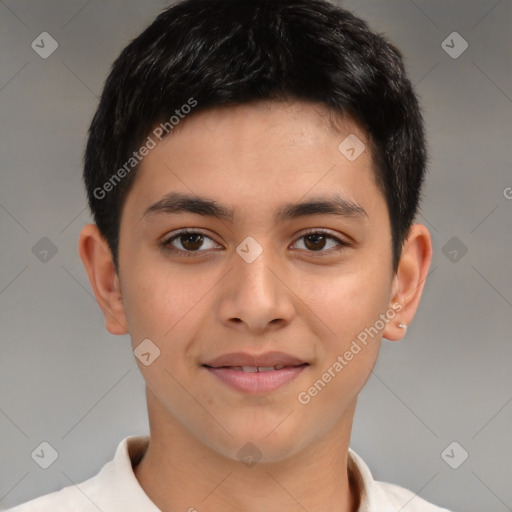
x=409, y=280
x=99, y=265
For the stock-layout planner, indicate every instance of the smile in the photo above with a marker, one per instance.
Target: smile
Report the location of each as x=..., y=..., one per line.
x=252, y=369
x=256, y=379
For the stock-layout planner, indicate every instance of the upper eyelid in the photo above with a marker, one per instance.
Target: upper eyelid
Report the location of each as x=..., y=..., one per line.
x=186, y=231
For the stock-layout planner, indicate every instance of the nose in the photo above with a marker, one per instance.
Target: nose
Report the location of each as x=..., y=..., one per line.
x=257, y=296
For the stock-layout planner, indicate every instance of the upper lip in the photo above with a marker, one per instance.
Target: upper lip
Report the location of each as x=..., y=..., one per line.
x=244, y=359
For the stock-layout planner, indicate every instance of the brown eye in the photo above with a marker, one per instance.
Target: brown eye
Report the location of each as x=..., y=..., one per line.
x=187, y=242
x=191, y=242
x=315, y=241
x=318, y=241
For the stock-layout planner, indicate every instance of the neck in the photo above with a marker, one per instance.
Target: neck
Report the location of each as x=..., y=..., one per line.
x=178, y=472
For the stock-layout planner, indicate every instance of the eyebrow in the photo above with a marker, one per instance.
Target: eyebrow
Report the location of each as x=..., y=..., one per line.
x=176, y=202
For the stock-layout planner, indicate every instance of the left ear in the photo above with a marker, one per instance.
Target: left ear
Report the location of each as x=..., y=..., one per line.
x=409, y=280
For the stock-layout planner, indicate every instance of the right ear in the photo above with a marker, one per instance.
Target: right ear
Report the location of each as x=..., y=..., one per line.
x=99, y=265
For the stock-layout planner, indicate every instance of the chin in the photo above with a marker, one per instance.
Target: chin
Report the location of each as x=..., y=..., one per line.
x=254, y=446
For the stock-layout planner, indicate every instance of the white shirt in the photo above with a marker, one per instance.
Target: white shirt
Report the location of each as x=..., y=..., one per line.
x=116, y=489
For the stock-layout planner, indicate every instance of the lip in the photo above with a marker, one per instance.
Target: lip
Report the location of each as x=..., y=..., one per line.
x=256, y=383
x=246, y=359
x=228, y=369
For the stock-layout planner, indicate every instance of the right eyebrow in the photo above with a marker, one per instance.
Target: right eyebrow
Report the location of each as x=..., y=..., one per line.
x=176, y=202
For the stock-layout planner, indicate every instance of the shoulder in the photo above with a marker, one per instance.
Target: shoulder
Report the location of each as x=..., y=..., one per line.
x=87, y=496
x=377, y=496
x=69, y=498
x=404, y=500
x=115, y=487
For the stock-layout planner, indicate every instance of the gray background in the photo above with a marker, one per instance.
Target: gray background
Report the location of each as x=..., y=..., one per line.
x=66, y=381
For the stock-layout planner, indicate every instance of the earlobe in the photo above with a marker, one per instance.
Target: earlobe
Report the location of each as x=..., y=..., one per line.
x=97, y=260
x=409, y=280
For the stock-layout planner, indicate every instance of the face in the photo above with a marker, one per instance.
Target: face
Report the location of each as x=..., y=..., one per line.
x=257, y=281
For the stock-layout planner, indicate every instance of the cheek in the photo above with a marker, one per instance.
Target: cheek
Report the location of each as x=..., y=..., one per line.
x=348, y=302
x=158, y=299
x=349, y=305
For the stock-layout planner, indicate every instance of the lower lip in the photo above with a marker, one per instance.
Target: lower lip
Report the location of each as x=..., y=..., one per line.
x=257, y=382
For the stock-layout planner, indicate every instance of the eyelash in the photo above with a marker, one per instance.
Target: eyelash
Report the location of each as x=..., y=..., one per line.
x=166, y=243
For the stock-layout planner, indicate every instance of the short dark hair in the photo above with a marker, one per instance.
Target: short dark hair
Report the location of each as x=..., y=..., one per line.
x=210, y=53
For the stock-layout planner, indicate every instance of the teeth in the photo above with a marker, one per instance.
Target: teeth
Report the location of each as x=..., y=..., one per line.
x=254, y=369
x=250, y=369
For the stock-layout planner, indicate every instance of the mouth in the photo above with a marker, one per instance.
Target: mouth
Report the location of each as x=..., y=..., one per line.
x=267, y=361
x=256, y=374
x=256, y=369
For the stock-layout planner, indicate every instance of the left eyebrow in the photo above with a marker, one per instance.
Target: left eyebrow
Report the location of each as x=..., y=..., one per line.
x=176, y=202
x=335, y=205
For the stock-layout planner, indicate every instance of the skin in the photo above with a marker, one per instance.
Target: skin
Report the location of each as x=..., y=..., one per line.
x=303, y=299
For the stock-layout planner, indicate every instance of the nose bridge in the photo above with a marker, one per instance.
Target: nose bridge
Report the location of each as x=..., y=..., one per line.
x=256, y=295
x=254, y=264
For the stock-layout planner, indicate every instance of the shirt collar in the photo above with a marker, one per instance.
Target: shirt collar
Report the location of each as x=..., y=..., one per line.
x=120, y=488
x=372, y=497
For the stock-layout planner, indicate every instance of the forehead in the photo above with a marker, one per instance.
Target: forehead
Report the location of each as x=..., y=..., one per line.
x=265, y=149
x=302, y=122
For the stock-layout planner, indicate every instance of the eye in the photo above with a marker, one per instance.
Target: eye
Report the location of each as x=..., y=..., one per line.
x=186, y=242
x=316, y=241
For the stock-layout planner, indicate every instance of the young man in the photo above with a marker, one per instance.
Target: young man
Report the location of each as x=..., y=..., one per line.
x=254, y=169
